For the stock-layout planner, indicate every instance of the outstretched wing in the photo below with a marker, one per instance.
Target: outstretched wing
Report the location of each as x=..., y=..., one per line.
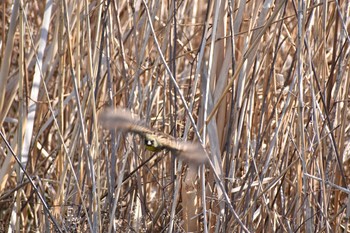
x=124, y=120
x=191, y=152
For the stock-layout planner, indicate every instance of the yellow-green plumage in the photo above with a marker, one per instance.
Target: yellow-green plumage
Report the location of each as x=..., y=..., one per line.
x=152, y=144
x=124, y=120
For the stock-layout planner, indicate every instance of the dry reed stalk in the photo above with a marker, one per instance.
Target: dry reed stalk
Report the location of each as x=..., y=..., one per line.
x=263, y=85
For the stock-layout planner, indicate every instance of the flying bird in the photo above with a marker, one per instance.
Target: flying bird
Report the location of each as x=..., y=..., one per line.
x=124, y=120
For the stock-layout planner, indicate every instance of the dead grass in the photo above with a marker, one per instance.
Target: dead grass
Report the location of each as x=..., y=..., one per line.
x=263, y=86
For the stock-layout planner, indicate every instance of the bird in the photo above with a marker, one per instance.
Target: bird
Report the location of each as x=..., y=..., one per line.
x=124, y=120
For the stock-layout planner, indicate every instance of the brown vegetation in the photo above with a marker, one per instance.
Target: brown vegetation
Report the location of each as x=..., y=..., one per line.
x=263, y=85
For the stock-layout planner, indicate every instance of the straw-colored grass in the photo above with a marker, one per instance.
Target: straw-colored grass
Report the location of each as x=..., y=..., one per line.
x=263, y=85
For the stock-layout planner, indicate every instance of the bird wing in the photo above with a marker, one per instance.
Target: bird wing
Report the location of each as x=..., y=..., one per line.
x=123, y=120
x=191, y=152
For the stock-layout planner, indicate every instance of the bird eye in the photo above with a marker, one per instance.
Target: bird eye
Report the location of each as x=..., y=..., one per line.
x=149, y=142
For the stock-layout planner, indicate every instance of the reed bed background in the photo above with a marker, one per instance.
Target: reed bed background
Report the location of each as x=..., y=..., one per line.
x=263, y=85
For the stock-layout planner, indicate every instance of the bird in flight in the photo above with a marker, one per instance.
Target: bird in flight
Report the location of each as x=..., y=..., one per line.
x=124, y=120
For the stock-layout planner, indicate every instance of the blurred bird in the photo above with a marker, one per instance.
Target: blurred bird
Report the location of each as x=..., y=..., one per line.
x=124, y=120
